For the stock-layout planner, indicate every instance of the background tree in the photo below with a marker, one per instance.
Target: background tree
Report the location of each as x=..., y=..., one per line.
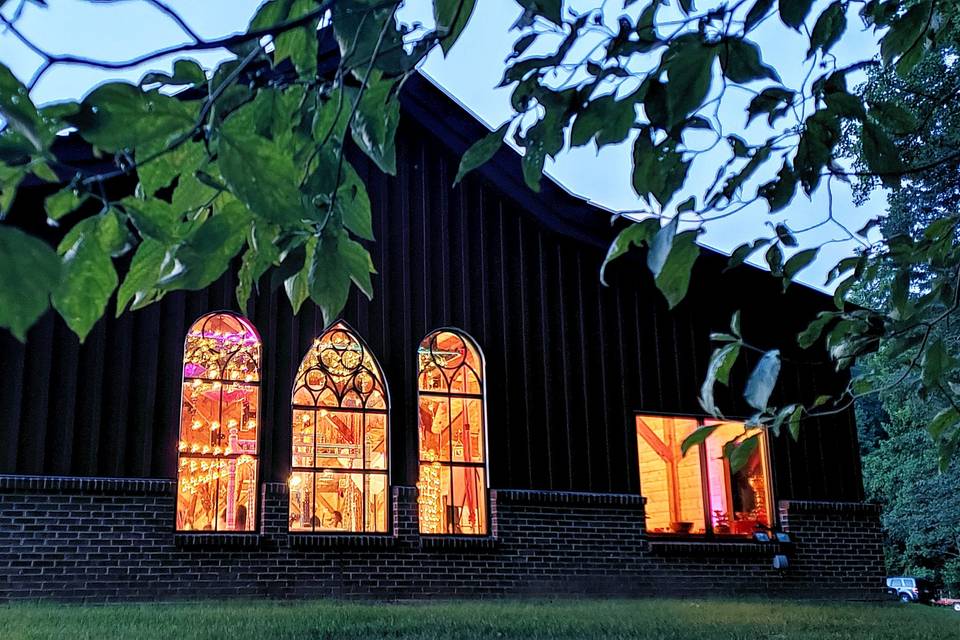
x=921, y=508
x=250, y=162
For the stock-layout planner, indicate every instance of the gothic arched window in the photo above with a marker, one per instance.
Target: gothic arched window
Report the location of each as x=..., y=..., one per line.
x=217, y=448
x=340, y=433
x=452, y=429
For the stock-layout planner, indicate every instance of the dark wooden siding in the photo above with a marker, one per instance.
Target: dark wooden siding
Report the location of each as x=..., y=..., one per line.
x=568, y=360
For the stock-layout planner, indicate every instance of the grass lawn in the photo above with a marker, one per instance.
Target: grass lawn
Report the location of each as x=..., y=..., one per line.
x=660, y=619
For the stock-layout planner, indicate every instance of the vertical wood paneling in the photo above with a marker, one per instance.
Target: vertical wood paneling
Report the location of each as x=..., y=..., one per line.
x=568, y=361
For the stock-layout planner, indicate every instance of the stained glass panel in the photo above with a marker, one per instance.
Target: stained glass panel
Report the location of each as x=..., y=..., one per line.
x=340, y=438
x=219, y=428
x=452, y=436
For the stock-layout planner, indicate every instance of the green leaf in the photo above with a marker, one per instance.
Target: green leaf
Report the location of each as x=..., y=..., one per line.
x=820, y=136
x=757, y=12
x=185, y=71
x=204, y=256
x=946, y=420
x=154, y=218
x=797, y=262
x=794, y=422
x=336, y=261
x=699, y=436
x=331, y=118
x=721, y=362
x=741, y=63
x=740, y=452
x=31, y=271
x=18, y=110
x=140, y=283
x=660, y=246
x=779, y=192
x=905, y=37
x=762, y=380
x=689, y=67
x=532, y=163
x=109, y=229
x=881, y=155
x=658, y=171
x=261, y=254
x=636, y=235
x=159, y=172
x=375, y=123
x=119, y=116
x=359, y=265
x=300, y=44
x=785, y=236
x=297, y=286
x=674, y=278
x=735, y=323
x=43, y=171
x=937, y=361
x=829, y=27
x=260, y=172
x=451, y=18
x=774, y=259
x=794, y=12
x=358, y=25
x=549, y=9
x=773, y=101
x=894, y=117
x=353, y=204
x=481, y=151
x=87, y=282
x=744, y=251
x=607, y=118
x=10, y=179
x=815, y=328
x=64, y=202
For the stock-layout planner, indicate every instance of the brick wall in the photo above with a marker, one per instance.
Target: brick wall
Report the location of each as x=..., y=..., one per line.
x=108, y=539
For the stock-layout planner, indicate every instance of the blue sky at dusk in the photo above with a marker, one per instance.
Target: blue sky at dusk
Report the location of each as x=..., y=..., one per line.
x=124, y=29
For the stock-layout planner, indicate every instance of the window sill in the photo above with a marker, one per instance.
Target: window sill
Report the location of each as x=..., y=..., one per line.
x=219, y=540
x=340, y=540
x=457, y=542
x=716, y=547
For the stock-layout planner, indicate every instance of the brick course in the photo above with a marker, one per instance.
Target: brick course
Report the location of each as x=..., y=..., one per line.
x=103, y=539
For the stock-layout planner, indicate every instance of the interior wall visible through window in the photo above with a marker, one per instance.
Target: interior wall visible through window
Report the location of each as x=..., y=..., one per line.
x=700, y=493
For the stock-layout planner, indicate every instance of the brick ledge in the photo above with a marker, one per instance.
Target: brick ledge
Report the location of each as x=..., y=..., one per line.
x=533, y=496
x=471, y=543
x=715, y=548
x=341, y=540
x=221, y=540
x=823, y=506
x=57, y=484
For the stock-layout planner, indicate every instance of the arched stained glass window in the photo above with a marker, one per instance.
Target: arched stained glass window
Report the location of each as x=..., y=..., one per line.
x=217, y=449
x=452, y=429
x=340, y=438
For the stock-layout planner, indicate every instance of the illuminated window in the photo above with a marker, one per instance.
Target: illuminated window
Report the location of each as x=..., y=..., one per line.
x=699, y=493
x=340, y=429
x=453, y=481
x=217, y=460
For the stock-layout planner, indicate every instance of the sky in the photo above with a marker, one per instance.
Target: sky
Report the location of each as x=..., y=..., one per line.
x=123, y=29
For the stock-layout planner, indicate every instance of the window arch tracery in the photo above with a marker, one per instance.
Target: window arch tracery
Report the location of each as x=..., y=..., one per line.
x=339, y=478
x=217, y=450
x=452, y=435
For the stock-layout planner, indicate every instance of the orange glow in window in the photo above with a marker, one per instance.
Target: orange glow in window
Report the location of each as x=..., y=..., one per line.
x=217, y=448
x=452, y=433
x=699, y=493
x=340, y=431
